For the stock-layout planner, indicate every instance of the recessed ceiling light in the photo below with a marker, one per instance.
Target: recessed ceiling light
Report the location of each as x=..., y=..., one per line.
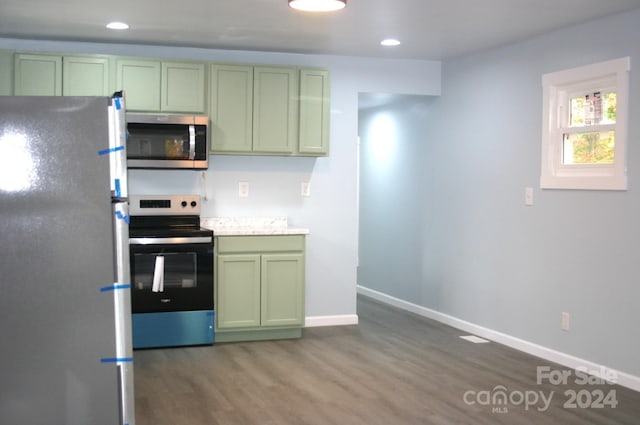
x=390, y=42
x=117, y=26
x=318, y=5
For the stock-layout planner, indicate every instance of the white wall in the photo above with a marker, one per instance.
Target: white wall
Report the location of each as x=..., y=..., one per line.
x=392, y=197
x=488, y=263
x=330, y=213
x=496, y=263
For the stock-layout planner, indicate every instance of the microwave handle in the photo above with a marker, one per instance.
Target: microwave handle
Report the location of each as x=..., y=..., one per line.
x=192, y=142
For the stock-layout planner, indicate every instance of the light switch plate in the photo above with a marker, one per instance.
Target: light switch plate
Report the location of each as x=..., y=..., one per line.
x=528, y=196
x=243, y=189
x=305, y=189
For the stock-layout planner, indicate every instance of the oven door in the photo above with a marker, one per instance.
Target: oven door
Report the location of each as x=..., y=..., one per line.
x=171, y=274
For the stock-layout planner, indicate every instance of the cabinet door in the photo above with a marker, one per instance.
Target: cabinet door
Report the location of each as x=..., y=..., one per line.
x=85, y=76
x=183, y=87
x=140, y=80
x=282, y=290
x=231, y=108
x=238, y=297
x=6, y=72
x=275, y=110
x=314, y=112
x=37, y=75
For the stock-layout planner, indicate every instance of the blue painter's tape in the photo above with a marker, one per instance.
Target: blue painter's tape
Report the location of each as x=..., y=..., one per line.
x=118, y=191
x=111, y=150
x=118, y=103
x=115, y=287
x=116, y=360
x=209, y=313
x=122, y=216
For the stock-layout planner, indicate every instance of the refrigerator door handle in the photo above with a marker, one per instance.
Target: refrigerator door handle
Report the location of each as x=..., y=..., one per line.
x=117, y=148
x=121, y=298
x=122, y=306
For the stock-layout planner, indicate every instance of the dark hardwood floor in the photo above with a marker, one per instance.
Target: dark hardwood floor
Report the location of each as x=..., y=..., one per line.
x=394, y=368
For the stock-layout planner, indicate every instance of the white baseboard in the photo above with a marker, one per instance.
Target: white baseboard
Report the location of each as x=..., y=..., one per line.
x=337, y=320
x=623, y=379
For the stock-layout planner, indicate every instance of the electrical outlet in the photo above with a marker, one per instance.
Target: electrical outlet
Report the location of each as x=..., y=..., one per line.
x=564, y=323
x=243, y=189
x=305, y=189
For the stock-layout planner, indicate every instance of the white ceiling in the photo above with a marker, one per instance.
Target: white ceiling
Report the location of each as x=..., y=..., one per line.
x=428, y=29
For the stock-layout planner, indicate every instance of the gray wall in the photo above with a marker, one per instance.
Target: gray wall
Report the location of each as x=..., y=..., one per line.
x=331, y=211
x=490, y=260
x=392, y=175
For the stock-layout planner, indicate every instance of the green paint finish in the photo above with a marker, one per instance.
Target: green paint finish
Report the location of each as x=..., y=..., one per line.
x=314, y=112
x=6, y=72
x=229, y=244
x=238, y=300
x=157, y=86
x=86, y=76
x=231, y=108
x=257, y=334
x=259, y=286
x=275, y=110
x=140, y=80
x=37, y=75
x=183, y=87
x=282, y=290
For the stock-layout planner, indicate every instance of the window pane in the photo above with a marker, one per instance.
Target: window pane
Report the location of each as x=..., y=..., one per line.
x=593, y=109
x=588, y=148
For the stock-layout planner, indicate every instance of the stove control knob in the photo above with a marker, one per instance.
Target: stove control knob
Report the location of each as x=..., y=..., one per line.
x=183, y=203
x=193, y=204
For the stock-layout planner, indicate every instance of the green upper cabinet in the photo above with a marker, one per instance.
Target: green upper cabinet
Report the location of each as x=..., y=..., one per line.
x=140, y=80
x=275, y=110
x=37, y=75
x=253, y=110
x=239, y=294
x=6, y=72
x=231, y=108
x=314, y=112
x=155, y=86
x=183, y=87
x=268, y=110
x=86, y=76
x=55, y=75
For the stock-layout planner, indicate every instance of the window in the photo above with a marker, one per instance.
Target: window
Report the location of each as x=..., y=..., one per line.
x=585, y=127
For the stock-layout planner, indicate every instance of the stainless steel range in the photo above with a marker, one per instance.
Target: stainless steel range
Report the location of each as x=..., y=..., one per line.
x=171, y=272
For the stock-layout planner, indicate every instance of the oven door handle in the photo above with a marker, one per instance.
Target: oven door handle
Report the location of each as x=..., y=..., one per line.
x=170, y=241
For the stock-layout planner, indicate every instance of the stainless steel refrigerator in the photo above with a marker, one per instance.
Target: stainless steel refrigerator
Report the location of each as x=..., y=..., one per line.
x=65, y=311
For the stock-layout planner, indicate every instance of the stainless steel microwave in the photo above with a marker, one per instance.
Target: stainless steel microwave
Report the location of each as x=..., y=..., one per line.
x=167, y=141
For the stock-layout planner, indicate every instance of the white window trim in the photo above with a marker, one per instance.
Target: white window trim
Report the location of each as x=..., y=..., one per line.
x=556, y=87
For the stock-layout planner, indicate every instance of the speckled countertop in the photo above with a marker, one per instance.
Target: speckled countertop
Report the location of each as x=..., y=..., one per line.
x=238, y=226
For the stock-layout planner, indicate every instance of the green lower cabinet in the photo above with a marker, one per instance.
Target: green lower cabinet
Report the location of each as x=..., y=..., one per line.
x=259, y=287
x=281, y=289
x=238, y=303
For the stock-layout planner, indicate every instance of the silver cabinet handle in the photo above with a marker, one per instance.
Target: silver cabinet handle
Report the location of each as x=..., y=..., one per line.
x=192, y=142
